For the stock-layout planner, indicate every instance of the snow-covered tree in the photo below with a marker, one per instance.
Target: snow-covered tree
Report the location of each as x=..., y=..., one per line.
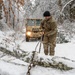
x=13, y=13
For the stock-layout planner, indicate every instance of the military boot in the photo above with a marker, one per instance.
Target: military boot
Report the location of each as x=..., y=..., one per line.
x=46, y=52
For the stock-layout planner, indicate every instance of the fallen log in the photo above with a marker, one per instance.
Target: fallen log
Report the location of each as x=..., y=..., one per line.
x=61, y=63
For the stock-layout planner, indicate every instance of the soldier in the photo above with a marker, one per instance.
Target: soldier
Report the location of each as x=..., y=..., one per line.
x=49, y=27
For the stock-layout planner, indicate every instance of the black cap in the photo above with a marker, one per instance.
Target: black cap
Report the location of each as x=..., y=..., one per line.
x=46, y=13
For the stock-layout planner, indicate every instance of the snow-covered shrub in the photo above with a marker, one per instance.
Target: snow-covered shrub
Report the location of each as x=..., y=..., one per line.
x=61, y=38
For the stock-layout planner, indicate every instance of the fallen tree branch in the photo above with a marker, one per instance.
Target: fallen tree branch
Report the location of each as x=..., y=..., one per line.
x=14, y=53
x=62, y=64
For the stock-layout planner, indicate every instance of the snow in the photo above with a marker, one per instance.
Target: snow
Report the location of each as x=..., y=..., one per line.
x=49, y=71
x=9, y=65
x=33, y=2
x=11, y=69
x=66, y=50
x=62, y=50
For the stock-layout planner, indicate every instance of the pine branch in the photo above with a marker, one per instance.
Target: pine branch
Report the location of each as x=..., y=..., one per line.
x=40, y=61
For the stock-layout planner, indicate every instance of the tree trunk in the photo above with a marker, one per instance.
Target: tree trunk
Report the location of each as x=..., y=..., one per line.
x=1, y=1
x=60, y=4
x=71, y=11
x=60, y=8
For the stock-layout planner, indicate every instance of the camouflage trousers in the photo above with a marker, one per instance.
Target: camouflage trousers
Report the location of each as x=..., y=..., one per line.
x=49, y=44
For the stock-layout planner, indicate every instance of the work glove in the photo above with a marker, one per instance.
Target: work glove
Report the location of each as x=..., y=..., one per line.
x=46, y=34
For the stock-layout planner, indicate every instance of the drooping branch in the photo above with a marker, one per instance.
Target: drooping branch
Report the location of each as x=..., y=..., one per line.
x=66, y=5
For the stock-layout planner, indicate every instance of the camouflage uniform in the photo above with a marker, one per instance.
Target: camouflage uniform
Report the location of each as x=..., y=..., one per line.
x=50, y=31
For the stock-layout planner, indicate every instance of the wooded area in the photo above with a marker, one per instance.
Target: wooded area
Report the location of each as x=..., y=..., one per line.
x=14, y=13
x=9, y=7
x=28, y=55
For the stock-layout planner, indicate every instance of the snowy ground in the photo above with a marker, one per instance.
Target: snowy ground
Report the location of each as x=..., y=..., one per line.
x=62, y=50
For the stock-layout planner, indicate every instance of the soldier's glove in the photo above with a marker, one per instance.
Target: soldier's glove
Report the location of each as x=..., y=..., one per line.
x=46, y=34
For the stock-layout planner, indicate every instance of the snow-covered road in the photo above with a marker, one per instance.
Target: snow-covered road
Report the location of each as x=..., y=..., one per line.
x=62, y=50
x=10, y=69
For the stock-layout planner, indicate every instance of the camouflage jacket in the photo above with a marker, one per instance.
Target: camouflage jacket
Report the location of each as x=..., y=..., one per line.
x=49, y=26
